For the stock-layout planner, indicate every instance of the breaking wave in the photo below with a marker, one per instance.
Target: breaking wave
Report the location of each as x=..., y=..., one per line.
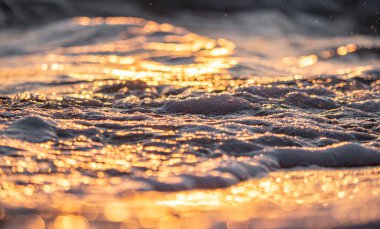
x=165, y=109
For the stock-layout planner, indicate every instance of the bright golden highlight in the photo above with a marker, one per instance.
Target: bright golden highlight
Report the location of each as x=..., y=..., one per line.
x=128, y=123
x=178, y=58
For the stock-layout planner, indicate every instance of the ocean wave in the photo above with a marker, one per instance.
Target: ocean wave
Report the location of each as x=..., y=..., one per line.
x=135, y=105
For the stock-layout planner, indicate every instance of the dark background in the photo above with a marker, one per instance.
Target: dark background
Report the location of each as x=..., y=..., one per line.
x=365, y=14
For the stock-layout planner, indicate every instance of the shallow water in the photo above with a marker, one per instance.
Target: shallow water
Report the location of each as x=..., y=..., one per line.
x=99, y=114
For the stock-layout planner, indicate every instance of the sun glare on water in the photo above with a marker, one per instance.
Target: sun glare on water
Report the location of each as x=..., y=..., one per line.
x=131, y=124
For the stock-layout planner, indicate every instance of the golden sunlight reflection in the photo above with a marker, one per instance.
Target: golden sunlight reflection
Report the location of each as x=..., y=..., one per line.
x=116, y=212
x=70, y=221
x=275, y=196
x=88, y=156
x=319, y=58
x=154, y=53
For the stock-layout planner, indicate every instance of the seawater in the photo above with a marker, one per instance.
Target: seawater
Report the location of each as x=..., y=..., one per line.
x=126, y=122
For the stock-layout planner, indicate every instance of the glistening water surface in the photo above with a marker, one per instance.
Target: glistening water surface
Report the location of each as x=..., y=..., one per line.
x=129, y=123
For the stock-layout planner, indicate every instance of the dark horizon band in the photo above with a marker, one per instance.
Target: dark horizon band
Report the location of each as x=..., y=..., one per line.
x=366, y=14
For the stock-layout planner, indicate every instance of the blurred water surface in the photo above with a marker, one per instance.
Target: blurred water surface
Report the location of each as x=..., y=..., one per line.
x=233, y=120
